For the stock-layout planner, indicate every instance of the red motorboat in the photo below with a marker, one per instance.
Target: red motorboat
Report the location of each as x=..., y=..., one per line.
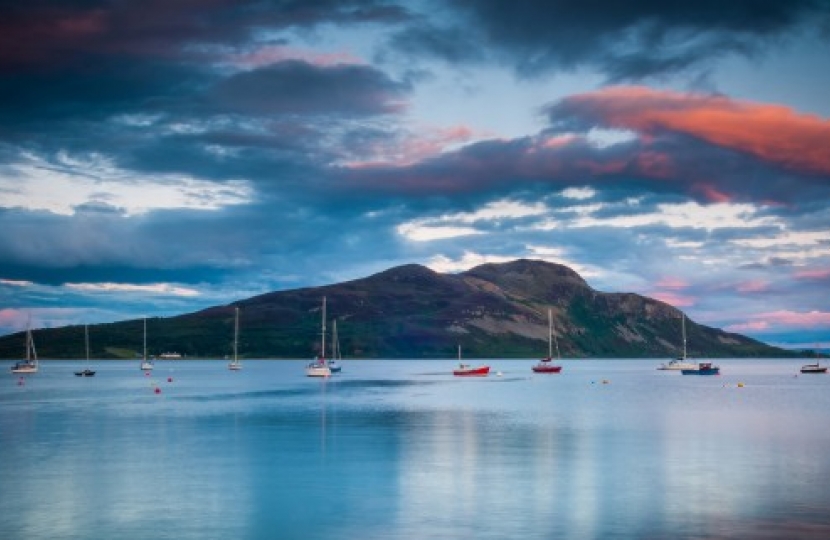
x=546, y=364
x=466, y=370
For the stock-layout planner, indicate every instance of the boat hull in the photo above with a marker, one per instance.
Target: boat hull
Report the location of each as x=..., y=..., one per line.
x=234, y=367
x=703, y=368
x=472, y=372
x=546, y=368
x=677, y=366
x=317, y=370
x=712, y=371
x=24, y=369
x=85, y=373
x=813, y=369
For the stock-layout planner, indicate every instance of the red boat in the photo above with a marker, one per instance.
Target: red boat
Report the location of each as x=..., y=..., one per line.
x=546, y=364
x=466, y=370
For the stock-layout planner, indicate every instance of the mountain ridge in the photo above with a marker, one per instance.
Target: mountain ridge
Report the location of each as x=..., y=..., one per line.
x=411, y=311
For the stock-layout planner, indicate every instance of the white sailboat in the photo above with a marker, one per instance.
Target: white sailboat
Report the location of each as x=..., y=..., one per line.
x=319, y=367
x=30, y=364
x=235, y=364
x=86, y=372
x=681, y=362
x=146, y=363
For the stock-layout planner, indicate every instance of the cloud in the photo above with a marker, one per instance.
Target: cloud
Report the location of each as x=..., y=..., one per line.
x=774, y=134
x=296, y=87
x=57, y=33
x=92, y=183
x=154, y=288
x=628, y=41
x=444, y=264
x=785, y=319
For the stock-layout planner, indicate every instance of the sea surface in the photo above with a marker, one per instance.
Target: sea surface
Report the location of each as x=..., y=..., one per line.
x=400, y=449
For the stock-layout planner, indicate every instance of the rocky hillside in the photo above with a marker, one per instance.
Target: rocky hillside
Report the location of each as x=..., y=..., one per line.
x=493, y=310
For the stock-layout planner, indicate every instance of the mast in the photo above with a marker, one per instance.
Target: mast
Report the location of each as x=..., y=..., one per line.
x=86, y=342
x=323, y=333
x=235, y=334
x=550, y=335
x=335, y=344
x=144, y=358
x=683, y=319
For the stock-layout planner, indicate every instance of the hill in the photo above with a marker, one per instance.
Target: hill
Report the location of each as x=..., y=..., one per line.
x=493, y=310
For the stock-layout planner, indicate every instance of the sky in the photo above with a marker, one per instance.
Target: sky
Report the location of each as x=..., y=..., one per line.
x=160, y=157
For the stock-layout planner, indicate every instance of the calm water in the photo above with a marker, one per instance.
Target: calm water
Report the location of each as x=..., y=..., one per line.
x=401, y=449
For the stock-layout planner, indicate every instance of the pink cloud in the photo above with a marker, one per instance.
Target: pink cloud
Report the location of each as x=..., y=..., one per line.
x=809, y=319
x=752, y=286
x=814, y=274
x=754, y=326
x=772, y=133
x=711, y=194
x=671, y=283
x=415, y=148
x=673, y=299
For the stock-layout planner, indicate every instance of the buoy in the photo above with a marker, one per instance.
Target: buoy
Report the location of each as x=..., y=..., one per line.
x=157, y=390
x=498, y=374
x=146, y=373
x=169, y=379
x=605, y=381
x=740, y=385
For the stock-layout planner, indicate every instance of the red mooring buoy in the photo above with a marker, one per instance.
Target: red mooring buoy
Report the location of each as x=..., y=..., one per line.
x=157, y=390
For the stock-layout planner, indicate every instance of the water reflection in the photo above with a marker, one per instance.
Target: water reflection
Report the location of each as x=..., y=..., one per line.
x=399, y=452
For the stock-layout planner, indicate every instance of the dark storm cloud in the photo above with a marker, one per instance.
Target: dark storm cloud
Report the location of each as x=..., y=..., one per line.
x=49, y=33
x=296, y=87
x=625, y=40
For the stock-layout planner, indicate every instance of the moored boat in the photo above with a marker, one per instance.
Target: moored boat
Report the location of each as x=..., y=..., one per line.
x=546, y=364
x=334, y=361
x=235, y=364
x=466, y=370
x=703, y=368
x=320, y=367
x=30, y=364
x=681, y=362
x=86, y=372
x=813, y=368
x=146, y=363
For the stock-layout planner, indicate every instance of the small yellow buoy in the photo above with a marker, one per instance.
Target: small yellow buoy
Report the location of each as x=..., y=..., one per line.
x=740, y=385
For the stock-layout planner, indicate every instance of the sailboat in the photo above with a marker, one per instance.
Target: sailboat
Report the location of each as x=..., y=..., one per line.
x=681, y=362
x=814, y=368
x=334, y=361
x=466, y=370
x=30, y=364
x=546, y=365
x=319, y=367
x=236, y=363
x=86, y=372
x=146, y=364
